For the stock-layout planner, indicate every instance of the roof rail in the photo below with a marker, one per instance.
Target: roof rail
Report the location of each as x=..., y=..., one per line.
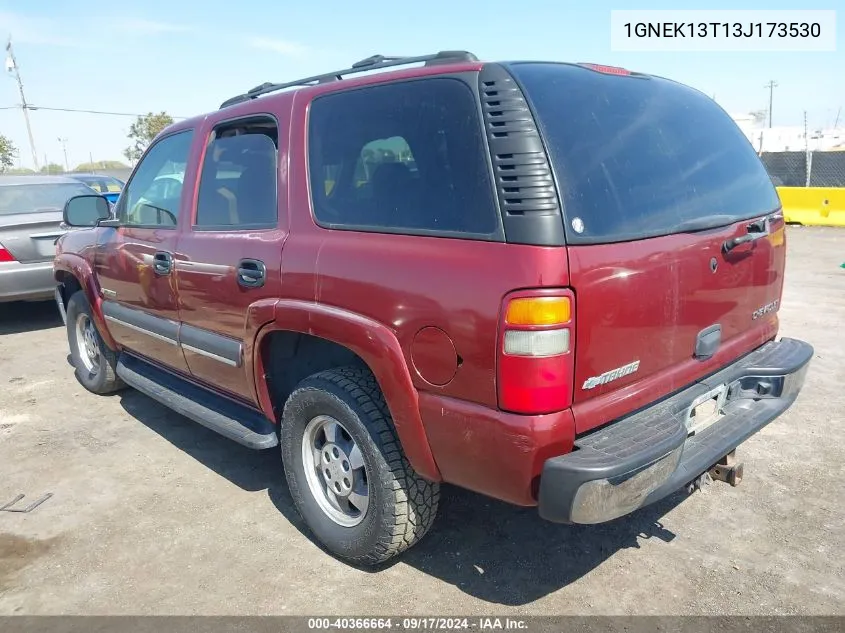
x=373, y=62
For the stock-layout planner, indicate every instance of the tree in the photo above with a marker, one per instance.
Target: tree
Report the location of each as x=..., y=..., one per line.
x=143, y=131
x=52, y=168
x=8, y=151
x=101, y=164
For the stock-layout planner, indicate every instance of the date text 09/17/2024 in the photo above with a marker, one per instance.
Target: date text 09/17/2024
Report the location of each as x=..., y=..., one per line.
x=417, y=624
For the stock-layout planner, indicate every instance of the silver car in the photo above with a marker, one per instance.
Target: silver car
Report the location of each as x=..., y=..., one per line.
x=30, y=223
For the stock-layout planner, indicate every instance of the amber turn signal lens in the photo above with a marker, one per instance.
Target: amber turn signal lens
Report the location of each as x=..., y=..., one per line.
x=539, y=311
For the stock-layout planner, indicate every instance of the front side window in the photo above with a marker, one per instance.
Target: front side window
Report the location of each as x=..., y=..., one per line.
x=404, y=158
x=153, y=195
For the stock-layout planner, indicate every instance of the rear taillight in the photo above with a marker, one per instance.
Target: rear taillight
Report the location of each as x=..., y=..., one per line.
x=535, y=356
x=6, y=256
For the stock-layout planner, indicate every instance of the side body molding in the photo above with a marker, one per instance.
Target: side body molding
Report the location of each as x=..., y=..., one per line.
x=376, y=345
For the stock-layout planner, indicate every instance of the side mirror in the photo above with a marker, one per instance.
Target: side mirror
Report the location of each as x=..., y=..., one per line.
x=86, y=210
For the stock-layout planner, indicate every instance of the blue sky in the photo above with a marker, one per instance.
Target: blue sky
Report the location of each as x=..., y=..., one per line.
x=185, y=56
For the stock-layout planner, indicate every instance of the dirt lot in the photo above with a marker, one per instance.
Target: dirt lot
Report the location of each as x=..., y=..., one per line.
x=153, y=514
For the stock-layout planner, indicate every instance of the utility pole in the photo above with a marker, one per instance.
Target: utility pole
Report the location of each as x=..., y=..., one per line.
x=63, y=141
x=808, y=156
x=771, y=86
x=12, y=66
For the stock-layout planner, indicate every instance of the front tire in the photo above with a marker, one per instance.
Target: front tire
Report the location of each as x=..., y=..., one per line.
x=346, y=470
x=92, y=359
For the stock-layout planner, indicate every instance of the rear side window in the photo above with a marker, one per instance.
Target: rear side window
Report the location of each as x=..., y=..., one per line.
x=404, y=158
x=238, y=181
x=636, y=157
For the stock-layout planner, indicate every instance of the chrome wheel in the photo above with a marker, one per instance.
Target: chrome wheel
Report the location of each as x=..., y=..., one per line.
x=335, y=471
x=87, y=343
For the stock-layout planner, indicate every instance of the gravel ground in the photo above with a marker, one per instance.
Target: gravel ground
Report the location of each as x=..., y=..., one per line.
x=153, y=514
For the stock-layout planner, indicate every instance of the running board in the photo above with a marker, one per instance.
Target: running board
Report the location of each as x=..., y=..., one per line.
x=238, y=422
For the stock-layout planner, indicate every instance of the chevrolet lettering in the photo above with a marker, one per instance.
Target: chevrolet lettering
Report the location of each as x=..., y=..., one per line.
x=613, y=374
x=769, y=307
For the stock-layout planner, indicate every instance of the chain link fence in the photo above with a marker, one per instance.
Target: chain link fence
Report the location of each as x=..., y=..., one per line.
x=805, y=169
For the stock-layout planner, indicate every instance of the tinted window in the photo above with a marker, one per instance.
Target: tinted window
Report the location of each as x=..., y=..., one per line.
x=640, y=156
x=238, y=181
x=404, y=157
x=102, y=184
x=38, y=198
x=153, y=194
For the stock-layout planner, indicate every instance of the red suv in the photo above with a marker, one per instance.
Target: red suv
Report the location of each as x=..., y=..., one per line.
x=554, y=284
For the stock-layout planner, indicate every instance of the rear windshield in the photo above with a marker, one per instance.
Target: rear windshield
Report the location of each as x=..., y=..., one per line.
x=102, y=184
x=636, y=157
x=38, y=197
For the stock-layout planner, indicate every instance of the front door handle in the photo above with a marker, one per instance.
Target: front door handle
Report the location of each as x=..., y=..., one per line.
x=162, y=263
x=251, y=273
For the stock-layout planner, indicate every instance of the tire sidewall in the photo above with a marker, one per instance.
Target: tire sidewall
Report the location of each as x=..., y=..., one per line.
x=317, y=397
x=93, y=381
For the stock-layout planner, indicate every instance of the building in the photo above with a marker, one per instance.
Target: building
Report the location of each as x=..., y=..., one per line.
x=789, y=138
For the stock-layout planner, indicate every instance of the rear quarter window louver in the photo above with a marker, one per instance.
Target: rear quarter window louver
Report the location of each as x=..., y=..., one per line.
x=524, y=183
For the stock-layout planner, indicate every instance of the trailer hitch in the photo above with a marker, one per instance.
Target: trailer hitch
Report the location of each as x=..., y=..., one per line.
x=728, y=470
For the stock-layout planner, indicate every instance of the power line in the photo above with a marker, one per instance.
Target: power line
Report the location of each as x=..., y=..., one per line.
x=135, y=114
x=34, y=107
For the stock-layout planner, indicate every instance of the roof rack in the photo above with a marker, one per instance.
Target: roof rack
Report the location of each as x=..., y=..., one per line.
x=373, y=62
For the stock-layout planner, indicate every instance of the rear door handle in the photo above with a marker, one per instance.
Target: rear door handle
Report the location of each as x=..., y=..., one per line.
x=251, y=273
x=162, y=263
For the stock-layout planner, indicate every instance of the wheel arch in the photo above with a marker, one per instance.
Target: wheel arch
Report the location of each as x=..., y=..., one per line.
x=329, y=337
x=74, y=273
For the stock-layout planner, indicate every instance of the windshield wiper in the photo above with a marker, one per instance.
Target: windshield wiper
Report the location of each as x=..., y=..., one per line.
x=704, y=223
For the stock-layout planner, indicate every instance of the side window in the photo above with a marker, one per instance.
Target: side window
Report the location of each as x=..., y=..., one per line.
x=153, y=194
x=403, y=157
x=239, y=177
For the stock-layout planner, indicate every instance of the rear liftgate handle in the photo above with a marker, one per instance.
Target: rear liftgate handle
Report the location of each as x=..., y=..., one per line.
x=251, y=273
x=756, y=230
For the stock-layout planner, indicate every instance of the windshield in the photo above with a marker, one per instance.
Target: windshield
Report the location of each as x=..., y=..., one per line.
x=38, y=197
x=636, y=157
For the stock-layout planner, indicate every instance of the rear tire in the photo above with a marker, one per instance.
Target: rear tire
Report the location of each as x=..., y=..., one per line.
x=337, y=435
x=92, y=359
